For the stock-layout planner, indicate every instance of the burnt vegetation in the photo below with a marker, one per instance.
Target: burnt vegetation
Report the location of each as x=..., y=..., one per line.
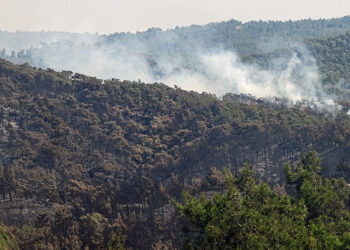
x=99, y=161
x=87, y=163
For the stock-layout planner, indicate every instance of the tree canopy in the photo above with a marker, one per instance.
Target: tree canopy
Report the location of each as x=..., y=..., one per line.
x=251, y=215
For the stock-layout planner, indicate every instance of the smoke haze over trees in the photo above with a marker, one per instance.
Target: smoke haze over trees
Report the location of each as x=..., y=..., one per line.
x=202, y=58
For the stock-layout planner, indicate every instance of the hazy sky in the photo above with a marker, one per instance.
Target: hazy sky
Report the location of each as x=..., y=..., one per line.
x=108, y=16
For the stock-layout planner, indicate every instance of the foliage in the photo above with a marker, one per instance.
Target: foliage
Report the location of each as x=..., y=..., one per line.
x=331, y=54
x=251, y=215
x=7, y=242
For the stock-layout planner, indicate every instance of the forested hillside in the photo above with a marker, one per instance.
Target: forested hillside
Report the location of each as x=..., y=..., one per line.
x=90, y=163
x=97, y=162
x=332, y=55
x=178, y=56
x=244, y=38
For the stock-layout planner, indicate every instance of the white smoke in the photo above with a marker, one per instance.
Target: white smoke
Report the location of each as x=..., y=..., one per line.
x=165, y=57
x=295, y=78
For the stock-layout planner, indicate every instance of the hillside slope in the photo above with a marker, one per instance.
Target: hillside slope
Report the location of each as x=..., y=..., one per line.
x=170, y=56
x=86, y=155
x=331, y=54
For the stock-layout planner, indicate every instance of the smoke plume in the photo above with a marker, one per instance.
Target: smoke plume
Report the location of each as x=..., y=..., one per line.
x=157, y=56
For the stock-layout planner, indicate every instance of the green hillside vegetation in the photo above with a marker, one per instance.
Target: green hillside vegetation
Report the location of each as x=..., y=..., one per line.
x=233, y=35
x=6, y=241
x=243, y=38
x=332, y=57
x=251, y=215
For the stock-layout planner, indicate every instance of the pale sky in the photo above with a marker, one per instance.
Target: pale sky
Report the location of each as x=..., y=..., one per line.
x=109, y=16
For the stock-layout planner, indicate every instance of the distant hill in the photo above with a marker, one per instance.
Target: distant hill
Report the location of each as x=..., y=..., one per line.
x=331, y=53
x=156, y=55
x=244, y=38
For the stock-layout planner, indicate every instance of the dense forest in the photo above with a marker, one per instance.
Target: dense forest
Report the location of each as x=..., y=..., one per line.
x=90, y=163
x=244, y=38
x=98, y=162
x=331, y=54
x=251, y=215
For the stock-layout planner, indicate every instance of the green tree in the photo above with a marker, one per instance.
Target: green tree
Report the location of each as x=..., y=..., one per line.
x=2, y=184
x=9, y=181
x=328, y=217
x=251, y=215
x=92, y=227
x=117, y=240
